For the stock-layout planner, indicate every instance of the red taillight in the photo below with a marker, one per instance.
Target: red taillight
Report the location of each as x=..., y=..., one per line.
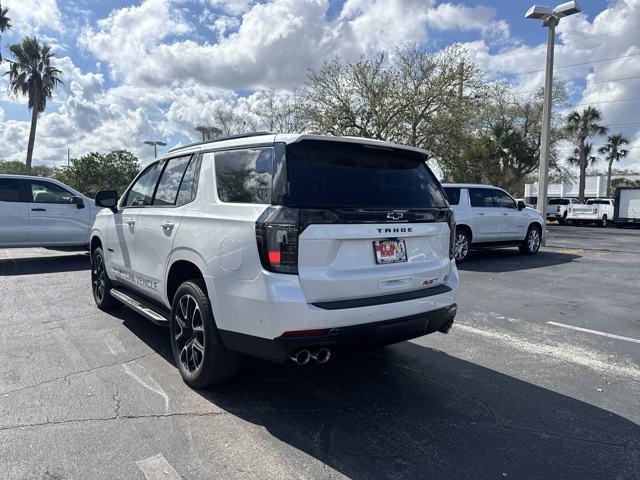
x=300, y=333
x=558, y=209
x=277, y=236
x=274, y=258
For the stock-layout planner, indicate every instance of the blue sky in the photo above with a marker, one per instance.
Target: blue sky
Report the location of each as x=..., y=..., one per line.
x=144, y=69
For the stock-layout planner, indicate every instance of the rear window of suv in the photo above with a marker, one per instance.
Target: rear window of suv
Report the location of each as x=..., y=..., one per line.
x=453, y=195
x=244, y=175
x=332, y=174
x=559, y=201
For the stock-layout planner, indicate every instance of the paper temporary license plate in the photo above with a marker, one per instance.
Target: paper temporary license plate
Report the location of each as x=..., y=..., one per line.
x=390, y=251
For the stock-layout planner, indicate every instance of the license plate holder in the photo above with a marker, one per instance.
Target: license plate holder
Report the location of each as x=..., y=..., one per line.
x=390, y=251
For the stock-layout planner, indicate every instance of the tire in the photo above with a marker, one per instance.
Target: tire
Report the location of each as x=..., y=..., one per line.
x=604, y=222
x=532, y=241
x=100, y=282
x=462, y=246
x=563, y=220
x=197, y=348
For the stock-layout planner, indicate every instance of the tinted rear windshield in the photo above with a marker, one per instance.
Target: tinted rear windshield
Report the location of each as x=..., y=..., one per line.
x=559, y=201
x=339, y=174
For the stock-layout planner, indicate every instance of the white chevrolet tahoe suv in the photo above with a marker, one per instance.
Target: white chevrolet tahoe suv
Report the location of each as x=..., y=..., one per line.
x=280, y=247
x=488, y=217
x=42, y=212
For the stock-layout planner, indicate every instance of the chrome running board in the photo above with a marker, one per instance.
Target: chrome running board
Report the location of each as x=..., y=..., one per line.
x=143, y=309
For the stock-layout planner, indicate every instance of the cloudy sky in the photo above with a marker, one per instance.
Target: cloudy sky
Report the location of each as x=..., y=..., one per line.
x=152, y=69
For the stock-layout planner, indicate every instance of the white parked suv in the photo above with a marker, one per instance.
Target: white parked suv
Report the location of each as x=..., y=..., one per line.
x=280, y=247
x=42, y=212
x=488, y=217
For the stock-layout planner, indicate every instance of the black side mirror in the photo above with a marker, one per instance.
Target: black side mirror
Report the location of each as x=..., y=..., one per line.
x=78, y=201
x=107, y=199
x=521, y=205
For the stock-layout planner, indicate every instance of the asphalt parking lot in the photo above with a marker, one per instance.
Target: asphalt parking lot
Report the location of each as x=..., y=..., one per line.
x=506, y=394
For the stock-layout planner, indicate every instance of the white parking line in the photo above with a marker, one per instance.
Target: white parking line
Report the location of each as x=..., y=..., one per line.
x=595, y=332
x=156, y=468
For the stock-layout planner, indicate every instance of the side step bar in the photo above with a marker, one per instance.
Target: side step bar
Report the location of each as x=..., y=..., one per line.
x=143, y=308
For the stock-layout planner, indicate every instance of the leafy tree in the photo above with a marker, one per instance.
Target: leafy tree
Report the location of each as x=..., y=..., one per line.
x=280, y=112
x=413, y=96
x=623, y=182
x=230, y=122
x=502, y=158
x=5, y=22
x=31, y=74
x=94, y=171
x=613, y=153
x=580, y=126
x=16, y=167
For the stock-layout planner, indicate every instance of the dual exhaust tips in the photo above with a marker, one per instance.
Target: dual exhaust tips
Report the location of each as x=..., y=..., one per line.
x=303, y=357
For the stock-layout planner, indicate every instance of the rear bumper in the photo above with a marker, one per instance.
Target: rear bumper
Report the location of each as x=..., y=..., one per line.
x=351, y=337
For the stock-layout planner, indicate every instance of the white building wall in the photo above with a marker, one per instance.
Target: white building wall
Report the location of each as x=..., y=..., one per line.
x=595, y=186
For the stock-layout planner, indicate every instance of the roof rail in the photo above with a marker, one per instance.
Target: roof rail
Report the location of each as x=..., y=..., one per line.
x=220, y=139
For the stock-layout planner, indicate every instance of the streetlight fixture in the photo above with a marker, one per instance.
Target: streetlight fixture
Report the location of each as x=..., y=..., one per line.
x=208, y=133
x=155, y=144
x=550, y=18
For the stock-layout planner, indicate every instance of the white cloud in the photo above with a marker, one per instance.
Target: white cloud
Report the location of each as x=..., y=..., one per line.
x=382, y=24
x=232, y=7
x=128, y=36
x=34, y=16
x=448, y=16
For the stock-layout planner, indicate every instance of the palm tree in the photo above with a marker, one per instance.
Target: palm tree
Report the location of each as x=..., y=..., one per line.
x=5, y=22
x=586, y=154
x=614, y=153
x=582, y=125
x=31, y=74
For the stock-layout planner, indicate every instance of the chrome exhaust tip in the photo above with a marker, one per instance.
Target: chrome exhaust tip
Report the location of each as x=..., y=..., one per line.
x=322, y=356
x=302, y=357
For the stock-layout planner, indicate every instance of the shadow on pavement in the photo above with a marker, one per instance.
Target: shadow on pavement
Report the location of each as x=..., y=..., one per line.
x=509, y=260
x=44, y=264
x=414, y=412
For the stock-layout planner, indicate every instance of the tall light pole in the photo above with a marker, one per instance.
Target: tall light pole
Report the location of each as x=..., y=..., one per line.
x=550, y=18
x=155, y=144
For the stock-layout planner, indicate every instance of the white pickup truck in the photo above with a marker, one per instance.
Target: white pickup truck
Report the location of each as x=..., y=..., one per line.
x=596, y=210
x=558, y=208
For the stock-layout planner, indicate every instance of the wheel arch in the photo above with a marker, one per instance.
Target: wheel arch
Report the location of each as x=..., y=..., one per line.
x=183, y=265
x=467, y=230
x=95, y=241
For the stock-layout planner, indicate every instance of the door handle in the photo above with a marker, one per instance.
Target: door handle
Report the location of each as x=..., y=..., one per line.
x=505, y=214
x=480, y=213
x=38, y=209
x=167, y=226
x=131, y=222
